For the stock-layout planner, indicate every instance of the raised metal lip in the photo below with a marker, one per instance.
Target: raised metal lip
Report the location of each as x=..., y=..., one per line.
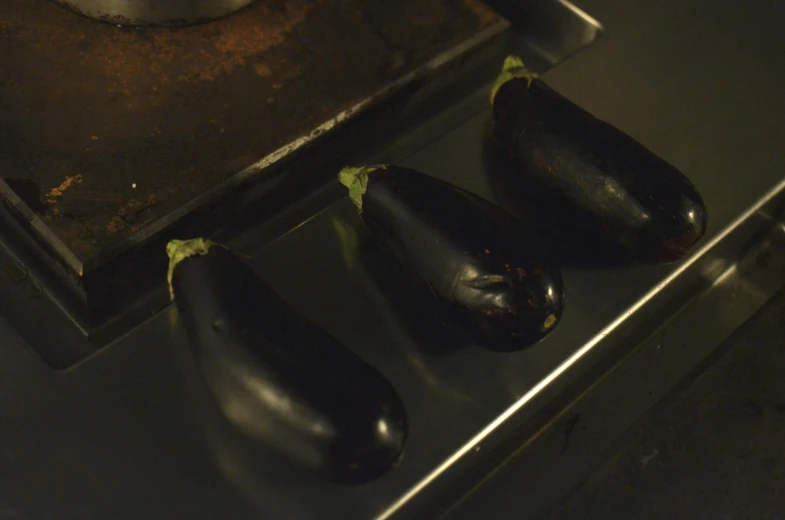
x=568, y=363
x=583, y=15
x=40, y=227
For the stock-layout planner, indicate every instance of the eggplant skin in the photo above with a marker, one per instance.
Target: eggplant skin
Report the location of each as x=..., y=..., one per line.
x=281, y=379
x=586, y=180
x=488, y=274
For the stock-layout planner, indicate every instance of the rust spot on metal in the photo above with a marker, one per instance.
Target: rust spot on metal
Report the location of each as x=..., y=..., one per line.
x=115, y=225
x=485, y=14
x=59, y=190
x=262, y=70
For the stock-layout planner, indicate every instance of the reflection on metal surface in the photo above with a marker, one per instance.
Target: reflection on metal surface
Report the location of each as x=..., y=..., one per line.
x=554, y=29
x=772, y=195
x=155, y=13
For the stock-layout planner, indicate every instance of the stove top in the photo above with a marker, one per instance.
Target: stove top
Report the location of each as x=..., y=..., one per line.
x=124, y=428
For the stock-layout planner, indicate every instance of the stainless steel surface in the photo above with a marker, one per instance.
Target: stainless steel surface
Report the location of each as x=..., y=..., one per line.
x=123, y=434
x=698, y=267
x=587, y=431
x=711, y=448
x=541, y=20
x=154, y=12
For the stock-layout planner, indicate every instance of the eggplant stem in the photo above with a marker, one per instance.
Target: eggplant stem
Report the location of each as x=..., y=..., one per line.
x=179, y=250
x=512, y=68
x=356, y=179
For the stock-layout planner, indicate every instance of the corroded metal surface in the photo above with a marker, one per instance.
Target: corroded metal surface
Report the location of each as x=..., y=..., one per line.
x=105, y=130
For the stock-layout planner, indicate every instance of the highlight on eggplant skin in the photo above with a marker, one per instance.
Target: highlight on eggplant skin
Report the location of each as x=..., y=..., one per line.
x=488, y=273
x=583, y=175
x=279, y=378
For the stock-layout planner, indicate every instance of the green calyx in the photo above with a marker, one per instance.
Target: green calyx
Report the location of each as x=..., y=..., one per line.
x=512, y=68
x=179, y=250
x=356, y=180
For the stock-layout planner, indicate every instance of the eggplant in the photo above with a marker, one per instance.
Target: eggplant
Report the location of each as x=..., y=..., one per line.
x=587, y=182
x=487, y=274
x=278, y=377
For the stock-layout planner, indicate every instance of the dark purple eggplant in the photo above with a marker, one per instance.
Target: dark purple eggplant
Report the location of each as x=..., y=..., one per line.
x=487, y=273
x=277, y=376
x=586, y=181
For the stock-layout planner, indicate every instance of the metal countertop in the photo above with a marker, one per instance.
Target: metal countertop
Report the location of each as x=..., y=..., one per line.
x=121, y=435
